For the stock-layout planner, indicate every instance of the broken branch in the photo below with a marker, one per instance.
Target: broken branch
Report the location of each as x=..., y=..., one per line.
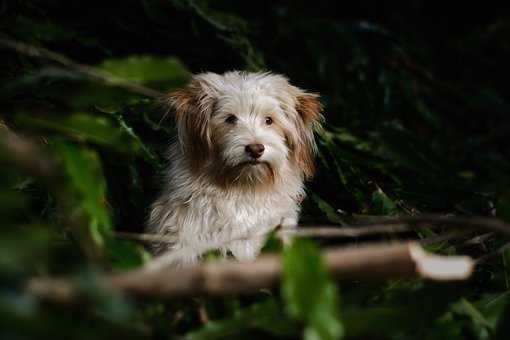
x=371, y=262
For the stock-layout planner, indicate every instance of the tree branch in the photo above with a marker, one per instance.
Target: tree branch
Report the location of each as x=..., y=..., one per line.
x=309, y=231
x=85, y=70
x=369, y=262
x=485, y=223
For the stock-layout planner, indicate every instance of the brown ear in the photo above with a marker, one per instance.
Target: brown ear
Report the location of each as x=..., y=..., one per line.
x=193, y=107
x=309, y=110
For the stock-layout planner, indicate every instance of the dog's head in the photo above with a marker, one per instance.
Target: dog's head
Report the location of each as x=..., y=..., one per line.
x=245, y=128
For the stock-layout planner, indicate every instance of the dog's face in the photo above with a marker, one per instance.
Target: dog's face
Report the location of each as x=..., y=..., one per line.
x=245, y=128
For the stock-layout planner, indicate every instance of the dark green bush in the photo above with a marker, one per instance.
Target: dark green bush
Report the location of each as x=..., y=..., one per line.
x=417, y=121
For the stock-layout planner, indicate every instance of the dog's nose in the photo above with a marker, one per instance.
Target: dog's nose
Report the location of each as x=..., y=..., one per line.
x=255, y=150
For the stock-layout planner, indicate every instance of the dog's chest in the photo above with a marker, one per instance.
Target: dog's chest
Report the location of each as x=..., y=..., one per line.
x=242, y=214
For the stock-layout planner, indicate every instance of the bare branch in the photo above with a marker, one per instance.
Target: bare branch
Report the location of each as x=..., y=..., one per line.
x=390, y=226
x=26, y=155
x=144, y=238
x=447, y=236
x=85, y=70
x=309, y=231
x=484, y=223
x=336, y=231
x=493, y=254
x=386, y=225
x=369, y=262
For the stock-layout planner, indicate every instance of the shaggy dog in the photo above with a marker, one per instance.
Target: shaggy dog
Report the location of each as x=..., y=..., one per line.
x=245, y=146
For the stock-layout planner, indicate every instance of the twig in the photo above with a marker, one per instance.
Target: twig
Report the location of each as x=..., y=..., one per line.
x=495, y=253
x=335, y=231
x=332, y=231
x=26, y=155
x=170, y=258
x=308, y=231
x=88, y=71
x=491, y=224
x=372, y=262
x=144, y=238
x=479, y=239
x=453, y=235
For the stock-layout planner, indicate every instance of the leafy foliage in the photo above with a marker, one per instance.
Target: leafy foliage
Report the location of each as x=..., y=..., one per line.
x=416, y=121
x=310, y=295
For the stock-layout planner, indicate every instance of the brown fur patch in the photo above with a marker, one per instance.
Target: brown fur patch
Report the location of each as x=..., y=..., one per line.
x=309, y=109
x=245, y=177
x=192, y=114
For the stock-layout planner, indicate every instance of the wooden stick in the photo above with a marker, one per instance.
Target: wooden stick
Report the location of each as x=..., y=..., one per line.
x=472, y=222
x=370, y=262
x=309, y=231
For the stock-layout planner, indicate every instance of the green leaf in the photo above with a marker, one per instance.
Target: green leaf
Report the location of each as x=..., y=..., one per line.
x=273, y=244
x=147, y=153
x=86, y=182
x=11, y=202
x=503, y=323
x=506, y=267
x=83, y=127
x=467, y=308
x=382, y=204
x=503, y=207
x=157, y=72
x=377, y=321
x=326, y=208
x=309, y=293
x=48, y=31
x=24, y=248
x=413, y=154
x=126, y=255
x=263, y=316
x=479, y=325
x=493, y=307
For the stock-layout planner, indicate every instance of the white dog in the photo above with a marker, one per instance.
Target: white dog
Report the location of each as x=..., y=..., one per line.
x=245, y=145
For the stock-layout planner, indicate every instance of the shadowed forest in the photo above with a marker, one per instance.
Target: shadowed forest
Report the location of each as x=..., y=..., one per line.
x=416, y=132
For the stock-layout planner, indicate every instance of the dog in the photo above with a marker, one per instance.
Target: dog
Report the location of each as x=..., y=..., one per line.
x=245, y=145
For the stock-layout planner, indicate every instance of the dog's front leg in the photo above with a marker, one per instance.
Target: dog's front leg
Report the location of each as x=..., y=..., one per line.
x=287, y=226
x=247, y=250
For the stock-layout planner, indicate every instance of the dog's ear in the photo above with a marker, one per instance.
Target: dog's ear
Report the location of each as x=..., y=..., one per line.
x=308, y=108
x=193, y=106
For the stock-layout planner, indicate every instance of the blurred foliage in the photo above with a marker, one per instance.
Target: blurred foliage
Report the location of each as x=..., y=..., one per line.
x=305, y=272
x=417, y=107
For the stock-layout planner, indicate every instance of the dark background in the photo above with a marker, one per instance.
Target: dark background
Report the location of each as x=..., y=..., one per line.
x=417, y=121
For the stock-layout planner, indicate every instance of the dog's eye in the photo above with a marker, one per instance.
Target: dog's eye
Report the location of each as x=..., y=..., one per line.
x=231, y=119
x=269, y=120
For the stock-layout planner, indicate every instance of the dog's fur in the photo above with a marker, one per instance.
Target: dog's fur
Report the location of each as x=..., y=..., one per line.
x=216, y=194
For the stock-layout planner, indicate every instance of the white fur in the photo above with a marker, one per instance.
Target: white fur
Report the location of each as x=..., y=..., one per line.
x=194, y=208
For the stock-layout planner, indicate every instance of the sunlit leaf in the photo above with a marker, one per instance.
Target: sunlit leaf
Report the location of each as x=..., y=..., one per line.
x=86, y=181
x=127, y=255
x=382, y=204
x=158, y=72
x=83, y=127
